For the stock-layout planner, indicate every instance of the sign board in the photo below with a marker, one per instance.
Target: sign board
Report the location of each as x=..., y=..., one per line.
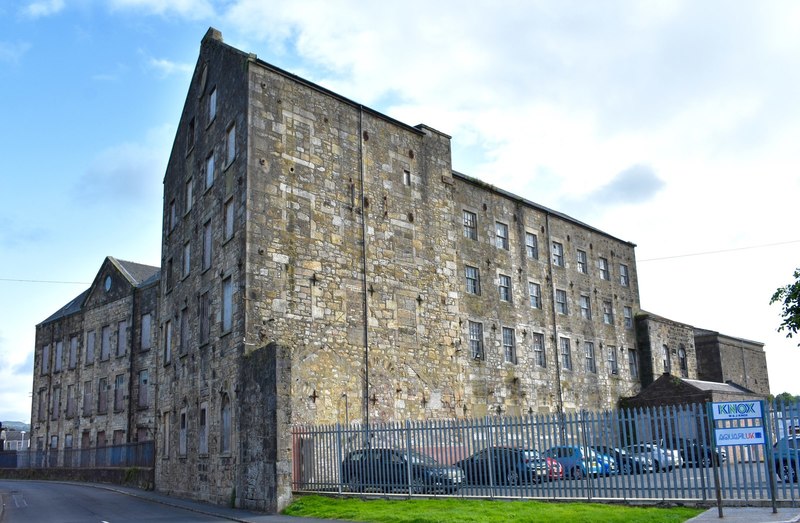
x=739, y=436
x=736, y=410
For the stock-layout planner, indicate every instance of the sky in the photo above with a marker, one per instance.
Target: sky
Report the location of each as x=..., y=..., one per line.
x=670, y=124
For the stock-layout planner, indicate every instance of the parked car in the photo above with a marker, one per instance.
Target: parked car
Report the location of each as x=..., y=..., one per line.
x=787, y=459
x=579, y=462
x=627, y=463
x=504, y=466
x=694, y=453
x=387, y=469
x=663, y=459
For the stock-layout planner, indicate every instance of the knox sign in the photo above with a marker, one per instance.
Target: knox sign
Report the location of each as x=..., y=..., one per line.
x=736, y=410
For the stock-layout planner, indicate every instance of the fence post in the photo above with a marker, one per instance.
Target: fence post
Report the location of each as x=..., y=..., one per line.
x=770, y=461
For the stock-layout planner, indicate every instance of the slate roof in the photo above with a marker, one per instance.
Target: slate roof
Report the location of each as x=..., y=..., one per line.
x=70, y=308
x=714, y=386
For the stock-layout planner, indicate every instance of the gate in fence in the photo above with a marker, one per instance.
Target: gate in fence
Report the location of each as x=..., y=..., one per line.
x=653, y=454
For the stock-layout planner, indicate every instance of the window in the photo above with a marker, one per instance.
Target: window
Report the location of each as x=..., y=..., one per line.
x=173, y=215
x=538, y=349
x=210, y=170
x=73, y=352
x=68, y=441
x=230, y=145
x=122, y=338
x=42, y=404
x=473, y=276
x=45, y=359
x=70, y=401
x=182, y=433
x=225, y=415
x=602, y=265
x=558, y=254
x=147, y=335
x=227, y=304
x=627, y=313
x=205, y=318
x=613, y=367
x=588, y=347
x=202, y=433
x=190, y=136
x=406, y=177
x=501, y=235
x=167, y=342
x=183, y=342
x=608, y=312
x=470, y=225
x=59, y=356
x=189, y=195
x=207, y=245
x=582, y=262
x=561, y=302
x=229, y=219
x=105, y=343
x=144, y=397
x=119, y=392
x=531, y=246
x=187, y=259
x=170, y=275
x=56, y=404
x=165, y=428
x=509, y=345
x=535, y=295
x=212, y=105
x=102, y=396
x=624, y=279
x=87, y=398
x=666, y=362
x=633, y=364
x=90, y=336
x=682, y=363
x=566, y=354
x=586, y=307
x=476, y=340
x=505, y=287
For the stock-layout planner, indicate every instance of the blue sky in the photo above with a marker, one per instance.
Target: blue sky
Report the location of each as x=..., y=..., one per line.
x=673, y=125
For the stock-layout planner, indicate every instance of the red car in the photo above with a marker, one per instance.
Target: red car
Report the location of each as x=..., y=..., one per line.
x=554, y=470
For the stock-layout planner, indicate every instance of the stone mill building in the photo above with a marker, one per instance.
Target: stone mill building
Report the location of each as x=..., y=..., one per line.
x=324, y=263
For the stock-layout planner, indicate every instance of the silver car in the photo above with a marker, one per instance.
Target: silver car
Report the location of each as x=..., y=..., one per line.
x=663, y=459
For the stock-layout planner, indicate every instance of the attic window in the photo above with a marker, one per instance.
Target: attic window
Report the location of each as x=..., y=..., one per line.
x=107, y=283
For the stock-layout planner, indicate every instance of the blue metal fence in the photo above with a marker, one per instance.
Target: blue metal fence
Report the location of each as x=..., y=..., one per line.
x=139, y=454
x=653, y=454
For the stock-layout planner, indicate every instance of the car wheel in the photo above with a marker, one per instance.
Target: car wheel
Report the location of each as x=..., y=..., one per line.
x=787, y=472
x=512, y=478
x=705, y=461
x=656, y=465
x=625, y=467
x=577, y=473
x=418, y=485
x=354, y=484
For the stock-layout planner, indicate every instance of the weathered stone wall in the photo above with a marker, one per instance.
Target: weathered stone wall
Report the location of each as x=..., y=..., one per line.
x=202, y=373
x=724, y=358
x=654, y=334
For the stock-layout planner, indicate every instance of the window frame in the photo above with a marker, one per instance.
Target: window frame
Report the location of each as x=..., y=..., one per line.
x=558, y=254
x=470, y=223
x=535, y=295
x=531, y=246
x=624, y=275
x=613, y=363
x=603, y=267
x=586, y=306
x=476, y=340
x=566, y=352
x=608, y=312
x=504, y=288
x=501, y=238
x=509, y=345
x=472, y=277
x=537, y=343
x=591, y=363
x=562, y=306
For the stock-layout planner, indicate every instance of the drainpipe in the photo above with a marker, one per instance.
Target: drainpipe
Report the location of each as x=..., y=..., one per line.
x=365, y=392
x=131, y=370
x=560, y=398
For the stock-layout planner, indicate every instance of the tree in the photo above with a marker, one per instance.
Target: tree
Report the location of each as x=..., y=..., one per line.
x=789, y=296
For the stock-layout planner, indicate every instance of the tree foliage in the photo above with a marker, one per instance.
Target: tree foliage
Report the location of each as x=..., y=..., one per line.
x=789, y=297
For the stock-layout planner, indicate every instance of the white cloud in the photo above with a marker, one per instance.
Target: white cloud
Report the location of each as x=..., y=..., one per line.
x=168, y=67
x=13, y=52
x=191, y=9
x=43, y=8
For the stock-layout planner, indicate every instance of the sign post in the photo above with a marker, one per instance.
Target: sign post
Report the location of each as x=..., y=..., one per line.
x=733, y=411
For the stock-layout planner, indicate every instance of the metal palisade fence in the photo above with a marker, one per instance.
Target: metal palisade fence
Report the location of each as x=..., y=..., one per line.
x=138, y=454
x=649, y=454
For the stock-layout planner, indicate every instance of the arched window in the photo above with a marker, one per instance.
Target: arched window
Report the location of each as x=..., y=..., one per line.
x=225, y=425
x=682, y=361
x=667, y=361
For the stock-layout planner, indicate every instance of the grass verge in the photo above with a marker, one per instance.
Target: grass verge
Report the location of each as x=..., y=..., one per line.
x=472, y=510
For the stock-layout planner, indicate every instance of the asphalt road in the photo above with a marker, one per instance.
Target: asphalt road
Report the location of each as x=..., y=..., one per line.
x=36, y=502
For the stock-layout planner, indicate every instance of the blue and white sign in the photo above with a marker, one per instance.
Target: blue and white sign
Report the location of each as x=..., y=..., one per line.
x=739, y=436
x=736, y=410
